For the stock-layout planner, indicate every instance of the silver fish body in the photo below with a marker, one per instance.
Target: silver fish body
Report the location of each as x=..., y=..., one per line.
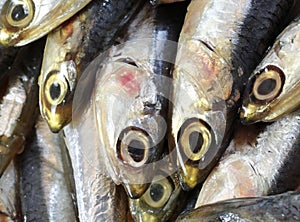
x=266, y=164
x=273, y=89
x=98, y=197
x=24, y=21
x=9, y=195
x=281, y=207
x=71, y=47
x=217, y=52
x=47, y=189
x=18, y=107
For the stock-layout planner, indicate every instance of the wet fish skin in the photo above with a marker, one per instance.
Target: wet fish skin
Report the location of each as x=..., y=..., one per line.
x=47, y=187
x=216, y=55
x=71, y=47
x=10, y=209
x=279, y=72
x=281, y=207
x=266, y=164
x=18, y=108
x=24, y=21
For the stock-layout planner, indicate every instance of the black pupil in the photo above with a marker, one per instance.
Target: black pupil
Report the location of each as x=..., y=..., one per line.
x=55, y=91
x=19, y=13
x=156, y=192
x=266, y=87
x=195, y=141
x=136, y=150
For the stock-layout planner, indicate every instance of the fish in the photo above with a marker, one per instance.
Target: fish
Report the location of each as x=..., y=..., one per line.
x=273, y=89
x=220, y=44
x=10, y=209
x=18, y=106
x=71, y=47
x=25, y=21
x=280, y=207
x=260, y=160
x=161, y=200
x=130, y=87
x=47, y=189
x=98, y=197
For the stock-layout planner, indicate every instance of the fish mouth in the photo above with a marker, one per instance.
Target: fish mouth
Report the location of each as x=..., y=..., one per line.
x=189, y=177
x=251, y=114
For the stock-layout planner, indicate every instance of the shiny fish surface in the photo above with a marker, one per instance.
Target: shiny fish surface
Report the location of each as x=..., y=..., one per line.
x=163, y=199
x=24, y=21
x=9, y=203
x=282, y=207
x=273, y=89
x=98, y=197
x=217, y=52
x=71, y=47
x=259, y=161
x=47, y=189
x=128, y=98
x=18, y=107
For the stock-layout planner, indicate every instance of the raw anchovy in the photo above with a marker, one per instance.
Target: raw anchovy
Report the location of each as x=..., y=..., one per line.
x=9, y=203
x=128, y=99
x=24, y=21
x=265, y=164
x=46, y=179
x=163, y=199
x=220, y=44
x=71, y=47
x=18, y=107
x=282, y=207
x=98, y=198
x=273, y=89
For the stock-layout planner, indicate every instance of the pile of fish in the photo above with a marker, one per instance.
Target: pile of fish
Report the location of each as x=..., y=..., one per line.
x=166, y=110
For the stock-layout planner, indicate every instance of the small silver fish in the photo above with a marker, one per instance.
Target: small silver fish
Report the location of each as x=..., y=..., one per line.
x=282, y=207
x=273, y=89
x=18, y=107
x=217, y=53
x=47, y=190
x=265, y=164
x=24, y=21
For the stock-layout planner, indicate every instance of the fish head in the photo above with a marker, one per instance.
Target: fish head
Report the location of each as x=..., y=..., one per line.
x=23, y=21
x=261, y=94
x=129, y=124
x=56, y=94
x=160, y=200
x=202, y=84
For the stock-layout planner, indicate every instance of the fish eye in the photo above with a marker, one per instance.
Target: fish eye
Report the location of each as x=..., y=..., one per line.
x=267, y=85
x=158, y=193
x=194, y=139
x=56, y=88
x=18, y=13
x=134, y=147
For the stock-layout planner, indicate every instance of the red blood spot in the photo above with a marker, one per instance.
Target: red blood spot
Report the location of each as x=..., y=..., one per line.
x=128, y=81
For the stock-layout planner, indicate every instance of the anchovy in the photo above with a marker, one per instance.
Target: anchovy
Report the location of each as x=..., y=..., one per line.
x=259, y=161
x=282, y=207
x=23, y=22
x=220, y=44
x=47, y=188
x=18, y=107
x=273, y=89
x=129, y=85
x=98, y=197
x=71, y=47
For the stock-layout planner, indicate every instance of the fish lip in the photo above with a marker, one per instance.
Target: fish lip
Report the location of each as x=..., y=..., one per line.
x=135, y=191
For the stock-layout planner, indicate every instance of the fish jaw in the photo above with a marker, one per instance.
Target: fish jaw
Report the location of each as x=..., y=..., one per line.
x=202, y=83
